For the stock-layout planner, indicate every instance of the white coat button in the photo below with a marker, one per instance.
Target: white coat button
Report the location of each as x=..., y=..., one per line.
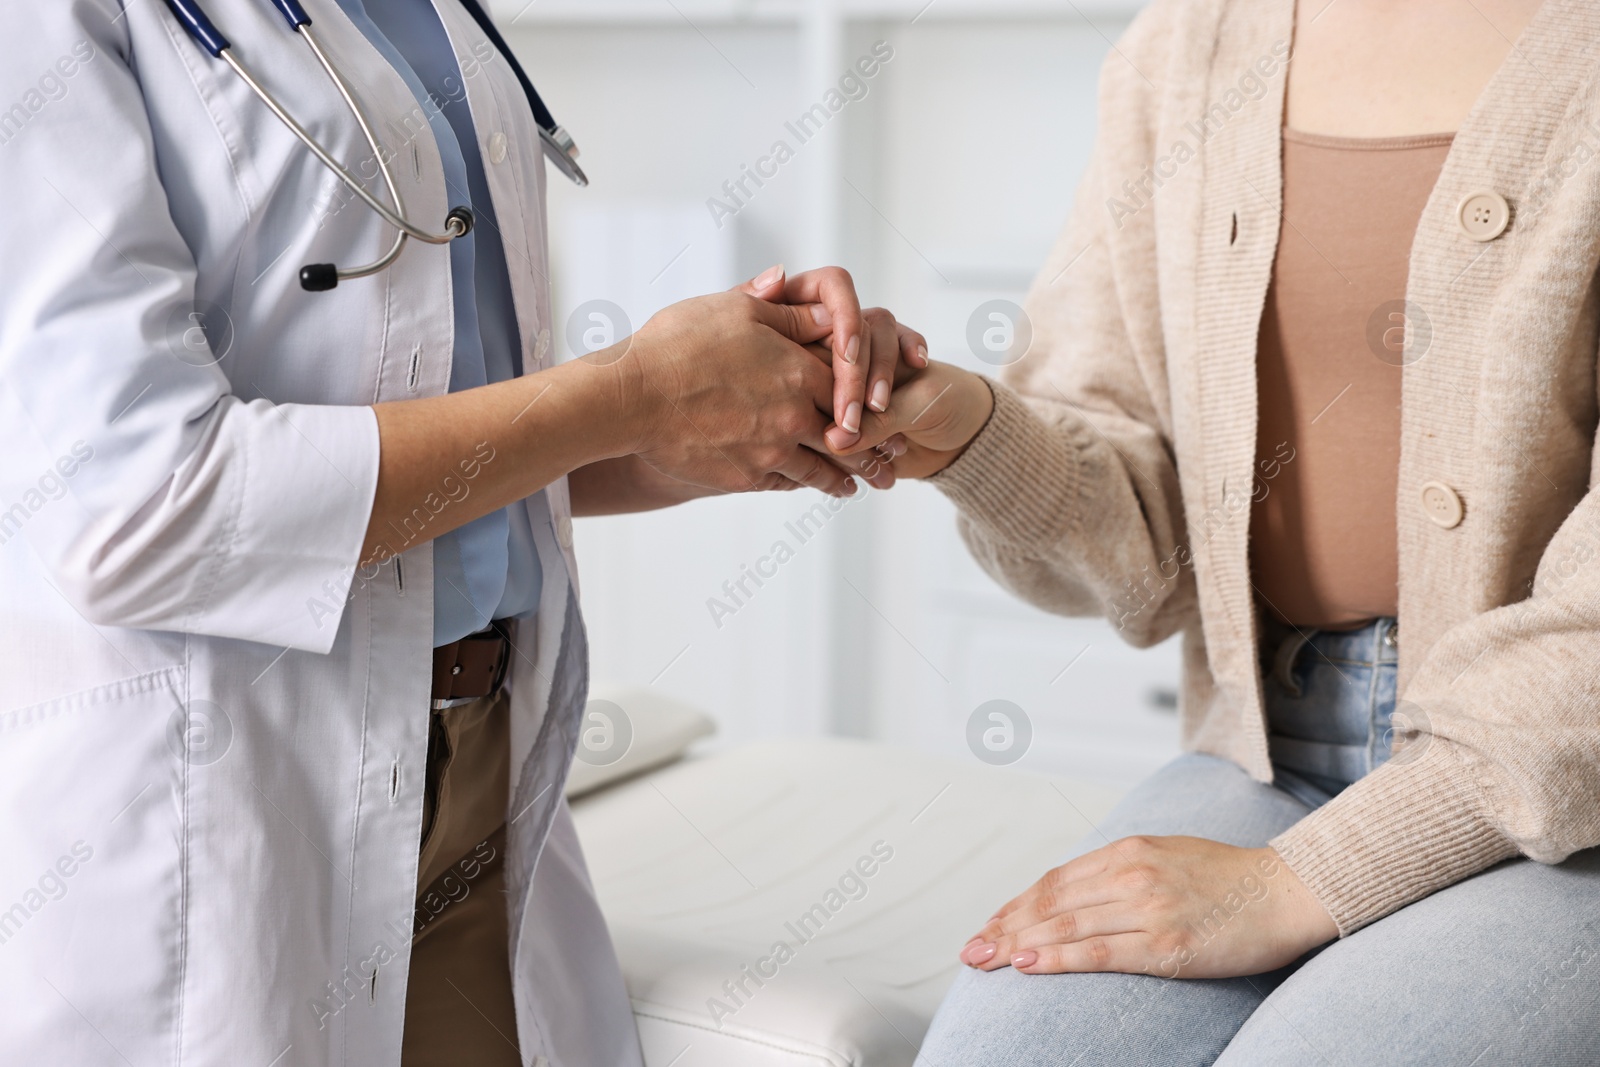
x=497, y=147
x=564, y=531
x=1484, y=215
x=1442, y=504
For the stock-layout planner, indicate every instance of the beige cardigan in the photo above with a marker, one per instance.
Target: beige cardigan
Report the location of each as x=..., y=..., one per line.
x=1117, y=478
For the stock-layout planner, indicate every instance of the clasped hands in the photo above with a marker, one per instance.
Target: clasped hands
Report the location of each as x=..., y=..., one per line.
x=785, y=382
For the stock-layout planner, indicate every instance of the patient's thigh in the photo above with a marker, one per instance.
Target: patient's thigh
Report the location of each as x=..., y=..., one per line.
x=1106, y=1020
x=1198, y=796
x=1502, y=968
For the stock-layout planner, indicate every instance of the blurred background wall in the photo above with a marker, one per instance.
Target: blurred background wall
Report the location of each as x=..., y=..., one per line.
x=940, y=184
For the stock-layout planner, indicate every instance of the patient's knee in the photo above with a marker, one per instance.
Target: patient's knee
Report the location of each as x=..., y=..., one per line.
x=1006, y=1017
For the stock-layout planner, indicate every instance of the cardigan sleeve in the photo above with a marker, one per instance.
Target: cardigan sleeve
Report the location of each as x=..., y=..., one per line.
x=1497, y=749
x=1069, y=497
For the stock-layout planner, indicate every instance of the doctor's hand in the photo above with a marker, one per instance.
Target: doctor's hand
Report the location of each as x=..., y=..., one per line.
x=718, y=392
x=1177, y=907
x=868, y=347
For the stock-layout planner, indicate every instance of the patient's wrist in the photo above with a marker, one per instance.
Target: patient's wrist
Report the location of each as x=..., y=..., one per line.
x=971, y=407
x=978, y=408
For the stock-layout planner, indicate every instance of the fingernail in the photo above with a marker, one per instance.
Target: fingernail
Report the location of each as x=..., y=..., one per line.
x=849, y=487
x=820, y=316
x=1025, y=959
x=880, y=395
x=768, y=276
x=852, y=417
x=839, y=440
x=981, y=953
x=852, y=350
x=922, y=354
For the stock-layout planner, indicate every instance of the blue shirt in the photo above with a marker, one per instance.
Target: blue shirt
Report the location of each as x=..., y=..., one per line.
x=489, y=568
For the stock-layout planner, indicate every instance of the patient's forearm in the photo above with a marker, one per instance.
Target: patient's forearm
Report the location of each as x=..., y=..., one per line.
x=463, y=455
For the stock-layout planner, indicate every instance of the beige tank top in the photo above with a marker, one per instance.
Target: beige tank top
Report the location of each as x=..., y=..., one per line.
x=1322, y=528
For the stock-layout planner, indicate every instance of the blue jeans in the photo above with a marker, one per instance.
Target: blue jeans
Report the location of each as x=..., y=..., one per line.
x=1501, y=968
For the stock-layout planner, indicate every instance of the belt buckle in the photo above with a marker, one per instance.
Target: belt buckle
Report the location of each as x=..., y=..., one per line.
x=501, y=634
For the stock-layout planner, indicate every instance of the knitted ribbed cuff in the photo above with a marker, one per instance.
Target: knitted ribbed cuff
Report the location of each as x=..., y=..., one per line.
x=1018, y=479
x=1406, y=830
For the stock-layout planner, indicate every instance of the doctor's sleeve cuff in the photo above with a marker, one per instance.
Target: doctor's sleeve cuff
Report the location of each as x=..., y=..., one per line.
x=1408, y=829
x=308, y=475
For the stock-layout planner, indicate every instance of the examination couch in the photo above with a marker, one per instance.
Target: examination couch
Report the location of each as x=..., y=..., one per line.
x=800, y=903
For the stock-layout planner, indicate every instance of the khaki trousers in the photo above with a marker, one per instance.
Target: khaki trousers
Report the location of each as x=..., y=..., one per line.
x=459, y=1008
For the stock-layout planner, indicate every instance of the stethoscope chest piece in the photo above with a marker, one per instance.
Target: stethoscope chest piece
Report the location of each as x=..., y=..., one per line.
x=563, y=152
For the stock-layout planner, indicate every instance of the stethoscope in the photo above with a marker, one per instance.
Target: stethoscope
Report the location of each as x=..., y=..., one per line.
x=318, y=277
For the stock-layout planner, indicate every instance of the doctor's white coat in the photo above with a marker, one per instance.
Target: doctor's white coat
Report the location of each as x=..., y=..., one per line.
x=213, y=726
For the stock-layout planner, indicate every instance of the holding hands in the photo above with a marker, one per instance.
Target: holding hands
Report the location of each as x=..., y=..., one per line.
x=752, y=389
x=783, y=382
x=917, y=414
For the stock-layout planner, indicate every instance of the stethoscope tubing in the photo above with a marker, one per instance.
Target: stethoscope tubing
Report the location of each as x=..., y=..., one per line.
x=388, y=258
x=194, y=18
x=458, y=223
x=321, y=153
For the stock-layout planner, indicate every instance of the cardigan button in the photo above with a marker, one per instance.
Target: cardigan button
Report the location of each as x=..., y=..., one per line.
x=497, y=147
x=1483, y=215
x=564, y=531
x=1442, y=504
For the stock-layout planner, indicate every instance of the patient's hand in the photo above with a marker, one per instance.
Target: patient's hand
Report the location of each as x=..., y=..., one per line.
x=1169, y=906
x=935, y=414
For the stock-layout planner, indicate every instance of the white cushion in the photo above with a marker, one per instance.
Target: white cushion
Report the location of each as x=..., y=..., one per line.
x=703, y=868
x=661, y=731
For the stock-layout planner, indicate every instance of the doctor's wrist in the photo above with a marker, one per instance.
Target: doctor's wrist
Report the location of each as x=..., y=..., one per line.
x=633, y=408
x=589, y=403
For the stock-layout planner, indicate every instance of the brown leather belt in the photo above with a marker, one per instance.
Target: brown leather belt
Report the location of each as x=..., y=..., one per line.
x=473, y=667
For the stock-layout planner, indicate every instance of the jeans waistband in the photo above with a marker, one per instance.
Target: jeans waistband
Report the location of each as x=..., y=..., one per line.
x=1329, y=698
x=1282, y=645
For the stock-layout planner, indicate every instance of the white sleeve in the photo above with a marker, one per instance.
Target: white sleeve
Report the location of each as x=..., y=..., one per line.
x=150, y=494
